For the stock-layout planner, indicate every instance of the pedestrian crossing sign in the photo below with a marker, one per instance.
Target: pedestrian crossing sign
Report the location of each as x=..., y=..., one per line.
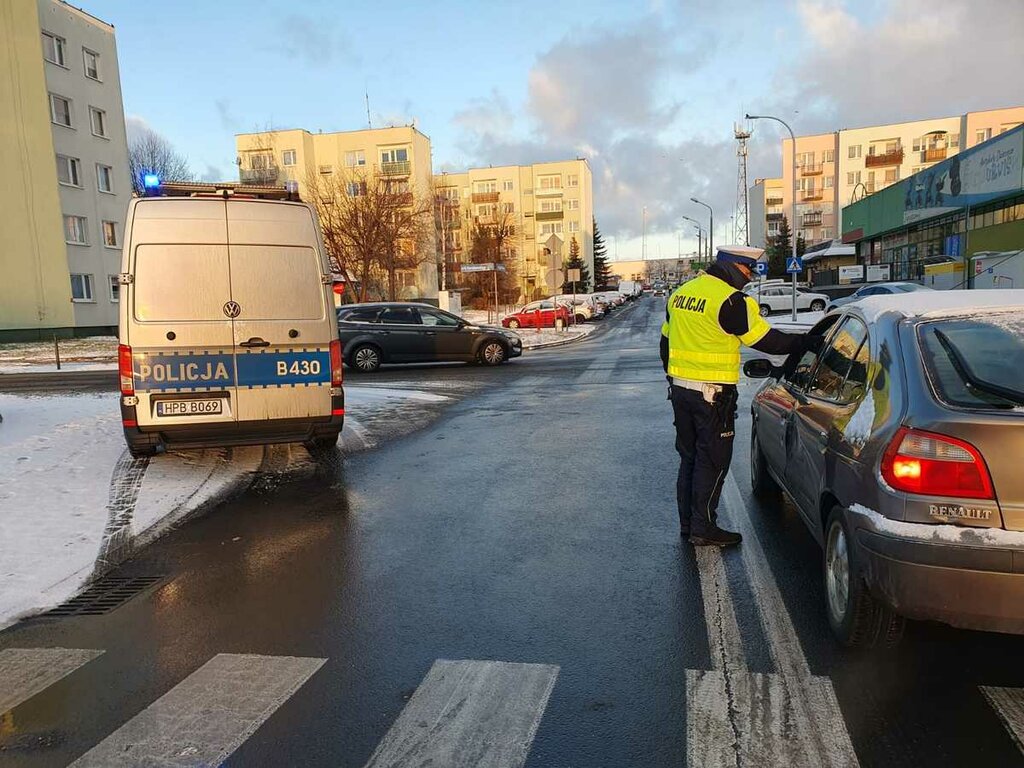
x=794, y=264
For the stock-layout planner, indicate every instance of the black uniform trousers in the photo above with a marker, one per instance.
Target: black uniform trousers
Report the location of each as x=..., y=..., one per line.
x=704, y=437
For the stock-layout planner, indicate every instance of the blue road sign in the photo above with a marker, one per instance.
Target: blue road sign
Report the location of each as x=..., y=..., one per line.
x=794, y=264
x=762, y=268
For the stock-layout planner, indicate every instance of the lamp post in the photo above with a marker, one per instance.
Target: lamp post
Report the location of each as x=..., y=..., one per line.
x=711, y=228
x=643, y=237
x=700, y=247
x=792, y=211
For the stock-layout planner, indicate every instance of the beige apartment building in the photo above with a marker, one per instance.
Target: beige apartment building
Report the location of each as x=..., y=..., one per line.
x=765, y=217
x=834, y=169
x=65, y=156
x=401, y=154
x=538, y=202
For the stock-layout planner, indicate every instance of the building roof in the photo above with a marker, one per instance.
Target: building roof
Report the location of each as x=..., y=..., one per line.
x=829, y=248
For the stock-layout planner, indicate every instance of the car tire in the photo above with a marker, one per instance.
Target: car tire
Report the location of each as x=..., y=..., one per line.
x=857, y=619
x=365, y=358
x=765, y=310
x=817, y=305
x=581, y=318
x=764, y=485
x=492, y=352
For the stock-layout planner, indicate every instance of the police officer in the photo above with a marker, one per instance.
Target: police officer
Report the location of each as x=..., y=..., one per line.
x=707, y=319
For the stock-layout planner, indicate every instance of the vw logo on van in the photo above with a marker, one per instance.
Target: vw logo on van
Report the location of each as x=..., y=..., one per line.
x=232, y=310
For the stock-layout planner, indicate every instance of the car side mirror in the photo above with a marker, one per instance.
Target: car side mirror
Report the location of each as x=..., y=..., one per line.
x=759, y=368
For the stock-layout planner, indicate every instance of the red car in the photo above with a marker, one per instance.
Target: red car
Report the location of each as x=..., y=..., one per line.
x=538, y=314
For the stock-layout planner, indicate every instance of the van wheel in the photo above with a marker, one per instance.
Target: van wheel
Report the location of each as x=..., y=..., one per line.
x=492, y=353
x=763, y=483
x=857, y=619
x=322, y=444
x=365, y=358
x=142, y=452
x=817, y=305
x=765, y=310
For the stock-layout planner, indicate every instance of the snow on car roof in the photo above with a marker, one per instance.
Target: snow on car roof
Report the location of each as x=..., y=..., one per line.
x=940, y=303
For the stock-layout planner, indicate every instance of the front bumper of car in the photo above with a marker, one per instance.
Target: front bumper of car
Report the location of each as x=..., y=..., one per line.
x=966, y=577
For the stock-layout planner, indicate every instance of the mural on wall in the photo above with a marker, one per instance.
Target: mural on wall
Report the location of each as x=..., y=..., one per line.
x=972, y=177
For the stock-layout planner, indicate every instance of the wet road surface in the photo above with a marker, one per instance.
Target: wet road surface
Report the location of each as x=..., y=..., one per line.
x=506, y=583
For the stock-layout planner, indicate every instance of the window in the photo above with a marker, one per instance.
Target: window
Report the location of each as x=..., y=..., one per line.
x=574, y=226
x=892, y=175
x=92, y=64
x=954, y=140
x=854, y=151
x=110, y=234
x=551, y=182
x=485, y=186
x=114, y=283
x=104, y=178
x=355, y=158
x=81, y=287
x=288, y=157
x=573, y=205
x=365, y=315
x=400, y=315
x=508, y=207
x=852, y=177
x=507, y=185
x=355, y=188
x=53, y=48
x=68, y=171
x=552, y=228
x=983, y=134
x=842, y=369
x=550, y=206
x=805, y=158
x=829, y=182
x=828, y=156
x=826, y=233
x=394, y=155
x=76, y=230
x=485, y=210
x=60, y=110
x=431, y=317
x=98, y=121
x=574, y=179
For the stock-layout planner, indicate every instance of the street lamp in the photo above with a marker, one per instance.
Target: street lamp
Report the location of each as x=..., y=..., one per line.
x=643, y=238
x=700, y=249
x=711, y=229
x=792, y=211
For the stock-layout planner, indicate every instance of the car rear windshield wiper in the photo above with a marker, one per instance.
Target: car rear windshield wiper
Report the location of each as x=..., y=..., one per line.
x=971, y=379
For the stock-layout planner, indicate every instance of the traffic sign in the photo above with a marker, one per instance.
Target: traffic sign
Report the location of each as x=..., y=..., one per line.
x=762, y=268
x=794, y=264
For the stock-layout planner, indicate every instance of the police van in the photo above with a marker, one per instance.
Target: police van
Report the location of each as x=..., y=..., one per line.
x=227, y=332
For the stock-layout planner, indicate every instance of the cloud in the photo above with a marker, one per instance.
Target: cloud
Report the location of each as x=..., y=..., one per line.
x=313, y=41
x=135, y=126
x=228, y=120
x=212, y=173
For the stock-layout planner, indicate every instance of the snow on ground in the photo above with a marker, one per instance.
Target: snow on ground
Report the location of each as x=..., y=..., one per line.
x=73, y=502
x=532, y=337
x=91, y=352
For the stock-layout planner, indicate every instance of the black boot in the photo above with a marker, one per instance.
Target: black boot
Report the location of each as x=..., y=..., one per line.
x=715, y=537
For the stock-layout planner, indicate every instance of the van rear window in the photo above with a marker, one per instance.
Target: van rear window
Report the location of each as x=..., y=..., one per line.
x=276, y=282
x=181, y=282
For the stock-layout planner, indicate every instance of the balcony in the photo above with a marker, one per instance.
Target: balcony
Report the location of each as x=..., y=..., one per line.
x=485, y=197
x=397, y=168
x=889, y=158
x=259, y=175
x=811, y=169
x=770, y=201
x=549, y=215
x=809, y=195
x=934, y=155
x=811, y=219
x=774, y=216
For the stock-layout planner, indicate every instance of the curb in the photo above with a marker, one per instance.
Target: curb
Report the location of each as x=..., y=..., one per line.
x=548, y=344
x=58, y=380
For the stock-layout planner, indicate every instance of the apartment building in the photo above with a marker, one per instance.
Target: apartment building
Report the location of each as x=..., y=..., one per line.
x=835, y=169
x=67, y=185
x=400, y=154
x=766, y=211
x=537, y=202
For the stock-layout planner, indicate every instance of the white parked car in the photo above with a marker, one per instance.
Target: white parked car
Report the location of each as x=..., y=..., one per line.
x=584, y=307
x=779, y=298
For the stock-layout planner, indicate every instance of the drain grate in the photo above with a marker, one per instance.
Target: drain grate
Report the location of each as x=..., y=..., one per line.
x=104, y=595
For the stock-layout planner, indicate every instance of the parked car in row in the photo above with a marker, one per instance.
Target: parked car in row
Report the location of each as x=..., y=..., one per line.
x=538, y=314
x=583, y=307
x=899, y=444
x=779, y=298
x=405, y=332
x=876, y=289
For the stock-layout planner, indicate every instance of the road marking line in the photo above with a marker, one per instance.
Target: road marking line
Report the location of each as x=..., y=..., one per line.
x=469, y=713
x=724, y=638
x=206, y=716
x=1009, y=705
x=24, y=672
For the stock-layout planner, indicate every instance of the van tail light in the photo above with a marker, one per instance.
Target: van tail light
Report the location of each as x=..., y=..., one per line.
x=124, y=369
x=336, y=363
x=930, y=464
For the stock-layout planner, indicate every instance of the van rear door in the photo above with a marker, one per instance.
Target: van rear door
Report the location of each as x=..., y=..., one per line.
x=285, y=324
x=180, y=326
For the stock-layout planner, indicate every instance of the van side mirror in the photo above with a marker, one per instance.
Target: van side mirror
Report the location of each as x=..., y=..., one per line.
x=759, y=368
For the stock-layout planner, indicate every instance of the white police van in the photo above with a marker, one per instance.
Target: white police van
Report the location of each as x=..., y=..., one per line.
x=227, y=331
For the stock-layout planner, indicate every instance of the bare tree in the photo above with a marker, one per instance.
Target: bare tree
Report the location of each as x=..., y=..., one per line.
x=149, y=152
x=491, y=241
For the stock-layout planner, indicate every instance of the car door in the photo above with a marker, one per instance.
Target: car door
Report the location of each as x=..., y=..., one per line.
x=818, y=422
x=401, y=335
x=445, y=334
x=546, y=316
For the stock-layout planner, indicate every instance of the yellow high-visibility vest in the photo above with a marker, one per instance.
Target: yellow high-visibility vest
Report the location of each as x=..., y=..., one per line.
x=698, y=348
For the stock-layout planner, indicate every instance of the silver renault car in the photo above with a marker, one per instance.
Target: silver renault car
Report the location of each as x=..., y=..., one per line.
x=901, y=443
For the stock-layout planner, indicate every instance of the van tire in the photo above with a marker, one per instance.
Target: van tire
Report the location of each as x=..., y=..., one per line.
x=322, y=444
x=142, y=452
x=365, y=358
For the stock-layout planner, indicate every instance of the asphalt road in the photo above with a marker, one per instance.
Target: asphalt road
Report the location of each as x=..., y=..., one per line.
x=506, y=581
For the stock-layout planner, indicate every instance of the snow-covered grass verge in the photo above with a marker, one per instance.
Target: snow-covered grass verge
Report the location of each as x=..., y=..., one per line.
x=533, y=339
x=75, y=354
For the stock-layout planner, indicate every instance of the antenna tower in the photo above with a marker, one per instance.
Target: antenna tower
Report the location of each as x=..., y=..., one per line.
x=741, y=232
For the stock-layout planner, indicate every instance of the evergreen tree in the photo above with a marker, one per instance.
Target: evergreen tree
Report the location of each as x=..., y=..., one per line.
x=801, y=246
x=576, y=262
x=602, y=272
x=779, y=249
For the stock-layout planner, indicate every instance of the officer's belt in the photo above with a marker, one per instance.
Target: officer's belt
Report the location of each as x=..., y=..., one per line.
x=696, y=386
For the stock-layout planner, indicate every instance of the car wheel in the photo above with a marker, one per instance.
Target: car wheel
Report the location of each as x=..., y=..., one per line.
x=817, y=305
x=365, y=358
x=581, y=318
x=763, y=483
x=765, y=310
x=492, y=353
x=513, y=324
x=857, y=619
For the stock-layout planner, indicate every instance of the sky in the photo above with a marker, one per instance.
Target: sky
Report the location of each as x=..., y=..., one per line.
x=648, y=92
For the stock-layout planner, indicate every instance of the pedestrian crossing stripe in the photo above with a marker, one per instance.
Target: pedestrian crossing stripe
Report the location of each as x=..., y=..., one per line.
x=24, y=672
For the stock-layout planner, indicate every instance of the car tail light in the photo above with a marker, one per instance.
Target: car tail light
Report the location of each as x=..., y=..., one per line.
x=336, y=363
x=124, y=369
x=930, y=464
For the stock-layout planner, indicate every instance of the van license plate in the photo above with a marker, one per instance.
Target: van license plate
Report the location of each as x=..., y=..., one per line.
x=189, y=407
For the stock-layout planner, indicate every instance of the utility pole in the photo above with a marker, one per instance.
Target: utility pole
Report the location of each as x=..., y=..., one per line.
x=741, y=231
x=711, y=228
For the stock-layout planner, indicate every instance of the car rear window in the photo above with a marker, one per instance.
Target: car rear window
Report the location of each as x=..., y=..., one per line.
x=975, y=362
